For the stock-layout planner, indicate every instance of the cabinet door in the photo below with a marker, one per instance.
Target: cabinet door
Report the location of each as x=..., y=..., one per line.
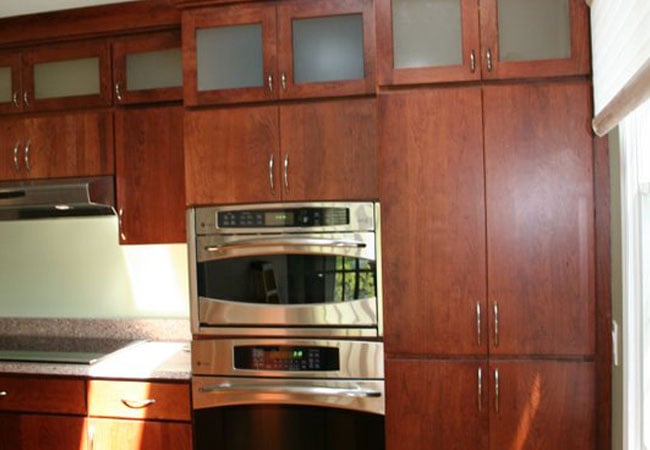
x=10, y=431
x=38, y=432
x=440, y=405
x=10, y=88
x=329, y=150
x=534, y=38
x=326, y=49
x=229, y=54
x=69, y=145
x=542, y=405
x=540, y=219
x=231, y=155
x=150, y=176
x=148, y=68
x=67, y=76
x=427, y=41
x=115, y=434
x=433, y=222
x=12, y=145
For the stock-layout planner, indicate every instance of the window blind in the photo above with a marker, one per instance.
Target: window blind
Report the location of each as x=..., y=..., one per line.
x=620, y=35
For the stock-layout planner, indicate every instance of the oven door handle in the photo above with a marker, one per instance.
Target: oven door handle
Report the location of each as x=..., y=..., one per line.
x=286, y=242
x=292, y=389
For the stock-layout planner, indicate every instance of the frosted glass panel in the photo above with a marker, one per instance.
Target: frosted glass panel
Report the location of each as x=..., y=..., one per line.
x=229, y=57
x=152, y=70
x=534, y=30
x=6, y=90
x=427, y=33
x=328, y=49
x=66, y=78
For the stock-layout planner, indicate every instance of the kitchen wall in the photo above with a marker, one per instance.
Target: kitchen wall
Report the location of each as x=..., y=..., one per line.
x=74, y=268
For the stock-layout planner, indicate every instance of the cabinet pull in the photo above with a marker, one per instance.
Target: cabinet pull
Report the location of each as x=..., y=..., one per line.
x=120, y=215
x=3, y=393
x=472, y=61
x=16, y=162
x=14, y=99
x=28, y=166
x=286, y=171
x=118, y=91
x=138, y=404
x=496, y=323
x=25, y=98
x=270, y=82
x=488, y=57
x=271, y=178
x=478, y=324
x=480, y=389
x=91, y=437
x=496, y=390
x=283, y=80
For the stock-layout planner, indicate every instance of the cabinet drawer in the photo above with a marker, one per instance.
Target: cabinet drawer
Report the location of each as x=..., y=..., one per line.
x=139, y=400
x=34, y=394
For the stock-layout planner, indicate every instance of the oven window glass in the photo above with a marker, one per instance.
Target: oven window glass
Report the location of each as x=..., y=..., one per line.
x=286, y=427
x=288, y=279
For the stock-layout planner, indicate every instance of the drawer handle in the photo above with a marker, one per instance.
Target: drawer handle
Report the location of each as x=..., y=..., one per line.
x=138, y=404
x=3, y=393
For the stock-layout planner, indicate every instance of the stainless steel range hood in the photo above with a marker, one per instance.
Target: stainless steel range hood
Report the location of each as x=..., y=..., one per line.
x=72, y=197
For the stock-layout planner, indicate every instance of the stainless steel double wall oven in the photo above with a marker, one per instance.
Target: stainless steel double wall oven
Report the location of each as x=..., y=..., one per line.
x=287, y=322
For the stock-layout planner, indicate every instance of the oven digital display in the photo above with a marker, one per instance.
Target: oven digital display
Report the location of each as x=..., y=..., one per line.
x=285, y=218
x=286, y=358
x=278, y=218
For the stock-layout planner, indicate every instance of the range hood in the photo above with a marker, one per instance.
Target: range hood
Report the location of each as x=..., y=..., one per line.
x=71, y=197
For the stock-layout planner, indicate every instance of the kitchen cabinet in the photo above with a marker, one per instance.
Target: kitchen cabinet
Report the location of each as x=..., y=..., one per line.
x=54, y=146
x=304, y=151
x=530, y=404
x=148, y=68
x=284, y=50
x=39, y=78
x=431, y=41
x=149, y=174
x=42, y=412
x=128, y=415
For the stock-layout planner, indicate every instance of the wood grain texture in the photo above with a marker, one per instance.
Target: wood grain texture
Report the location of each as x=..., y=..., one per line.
x=542, y=405
x=331, y=146
x=106, y=398
x=10, y=431
x=139, y=44
x=388, y=74
x=38, y=432
x=12, y=140
x=227, y=155
x=433, y=221
x=12, y=61
x=41, y=394
x=540, y=218
x=579, y=63
x=150, y=176
x=114, y=434
x=435, y=405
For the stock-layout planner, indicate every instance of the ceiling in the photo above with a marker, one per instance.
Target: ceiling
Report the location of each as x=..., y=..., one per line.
x=20, y=7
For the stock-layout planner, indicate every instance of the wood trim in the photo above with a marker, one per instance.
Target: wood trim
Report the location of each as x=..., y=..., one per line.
x=88, y=22
x=634, y=93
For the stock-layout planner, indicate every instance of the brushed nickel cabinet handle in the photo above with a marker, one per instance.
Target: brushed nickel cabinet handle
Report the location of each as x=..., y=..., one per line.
x=14, y=99
x=91, y=437
x=480, y=389
x=488, y=57
x=120, y=216
x=472, y=61
x=478, y=324
x=3, y=393
x=16, y=161
x=118, y=91
x=283, y=80
x=286, y=171
x=25, y=98
x=271, y=177
x=496, y=390
x=28, y=166
x=496, y=323
x=138, y=404
x=270, y=82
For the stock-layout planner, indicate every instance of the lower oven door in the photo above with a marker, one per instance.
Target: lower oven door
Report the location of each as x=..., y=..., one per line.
x=288, y=414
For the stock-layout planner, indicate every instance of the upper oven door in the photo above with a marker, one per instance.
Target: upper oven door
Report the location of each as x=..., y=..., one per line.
x=288, y=282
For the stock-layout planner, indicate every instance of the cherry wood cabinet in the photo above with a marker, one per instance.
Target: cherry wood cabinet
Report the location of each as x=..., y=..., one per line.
x=119, y=434
x=148, y=68
x=307, y=151
x=431, y=41
x=292, y=49
x=38, y=432
x=54, y=146
x=10, y=83
x=150, y=175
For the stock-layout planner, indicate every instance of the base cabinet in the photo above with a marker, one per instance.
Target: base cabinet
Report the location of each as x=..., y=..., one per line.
x=120, y=434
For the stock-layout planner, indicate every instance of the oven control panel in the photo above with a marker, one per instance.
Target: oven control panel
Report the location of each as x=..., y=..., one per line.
x=285, y=217
x=286, y=358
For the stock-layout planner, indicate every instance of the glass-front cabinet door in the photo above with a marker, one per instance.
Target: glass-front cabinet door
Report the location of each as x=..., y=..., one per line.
x=230, y=54
x=10, y=95
x=422, y=41
x=534, y=38
x=148, y=68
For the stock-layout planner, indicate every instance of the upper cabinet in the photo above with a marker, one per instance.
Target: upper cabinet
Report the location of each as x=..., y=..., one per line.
x=430, y=41
x=55, y=77
x=148, y=68
x=293, y=49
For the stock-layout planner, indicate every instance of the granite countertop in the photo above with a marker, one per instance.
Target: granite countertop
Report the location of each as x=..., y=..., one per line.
x=159, y=350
